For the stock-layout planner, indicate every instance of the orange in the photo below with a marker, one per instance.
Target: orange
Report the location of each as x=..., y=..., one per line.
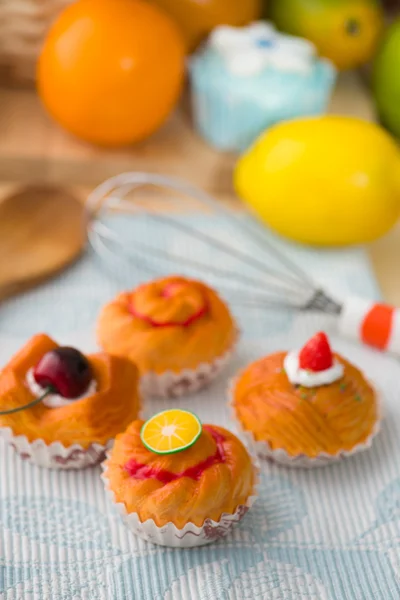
x=111, y=71
x=198, y=18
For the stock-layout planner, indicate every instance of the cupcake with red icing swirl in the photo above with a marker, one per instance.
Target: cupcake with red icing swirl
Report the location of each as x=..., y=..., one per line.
x=179, y=483
x=178, y=332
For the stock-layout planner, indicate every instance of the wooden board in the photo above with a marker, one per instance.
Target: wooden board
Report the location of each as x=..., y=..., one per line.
x=34, y=149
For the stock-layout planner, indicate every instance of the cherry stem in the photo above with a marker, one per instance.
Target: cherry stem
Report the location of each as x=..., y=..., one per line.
x=49, y=390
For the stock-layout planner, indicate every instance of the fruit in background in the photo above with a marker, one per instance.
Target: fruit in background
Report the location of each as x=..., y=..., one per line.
x=386, y=79
x=111, y=72
x=391, y=5
x=197, y=19
x=325, y=181
x=345, y=31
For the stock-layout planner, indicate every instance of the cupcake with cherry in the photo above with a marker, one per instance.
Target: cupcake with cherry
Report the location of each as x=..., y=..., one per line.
x=177, y=482
x=62, y=409
x=308, y=407
x=178, y=331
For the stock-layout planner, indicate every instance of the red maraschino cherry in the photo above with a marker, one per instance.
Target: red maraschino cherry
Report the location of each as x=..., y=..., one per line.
x=65, y=370
x=316, y=355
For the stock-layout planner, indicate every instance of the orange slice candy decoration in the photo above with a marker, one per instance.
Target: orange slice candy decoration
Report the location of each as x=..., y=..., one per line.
x=171, y=431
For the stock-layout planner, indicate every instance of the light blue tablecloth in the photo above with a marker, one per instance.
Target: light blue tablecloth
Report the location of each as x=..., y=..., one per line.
x=326, y=534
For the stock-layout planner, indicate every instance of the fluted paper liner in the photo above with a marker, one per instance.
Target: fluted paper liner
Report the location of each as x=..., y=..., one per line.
x=191, y=535
x=55, y=455
x=187, y=381
x=279, y=455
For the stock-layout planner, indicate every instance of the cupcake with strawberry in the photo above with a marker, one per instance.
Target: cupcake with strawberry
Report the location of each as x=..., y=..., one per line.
x=62, y=409
x=307, y=407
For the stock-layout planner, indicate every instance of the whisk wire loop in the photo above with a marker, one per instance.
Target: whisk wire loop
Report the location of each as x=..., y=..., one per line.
x=293, y=289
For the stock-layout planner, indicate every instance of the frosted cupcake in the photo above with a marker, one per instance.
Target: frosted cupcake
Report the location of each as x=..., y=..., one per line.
x=62, y=409
x=177, y=482
x=245, y=80
x=177, y=331
x=306, y=408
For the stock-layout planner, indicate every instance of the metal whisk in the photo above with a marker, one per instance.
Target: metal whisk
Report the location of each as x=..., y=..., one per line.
x=272, y=280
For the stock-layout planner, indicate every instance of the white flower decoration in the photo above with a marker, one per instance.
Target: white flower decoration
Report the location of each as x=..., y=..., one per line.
x=249, y=50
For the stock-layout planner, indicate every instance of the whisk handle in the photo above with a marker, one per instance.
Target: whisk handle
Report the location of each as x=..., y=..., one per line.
x=372, y=323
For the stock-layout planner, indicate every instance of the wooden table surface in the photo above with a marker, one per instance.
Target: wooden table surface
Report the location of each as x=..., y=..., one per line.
x=34, y=149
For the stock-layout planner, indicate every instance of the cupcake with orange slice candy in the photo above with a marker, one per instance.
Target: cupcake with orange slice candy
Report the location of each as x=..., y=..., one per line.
x=177, y=482
x=61, y=409
x=177, y=331
x=306, y=408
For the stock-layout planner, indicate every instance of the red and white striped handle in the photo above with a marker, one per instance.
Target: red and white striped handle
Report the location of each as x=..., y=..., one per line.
x=371, y=323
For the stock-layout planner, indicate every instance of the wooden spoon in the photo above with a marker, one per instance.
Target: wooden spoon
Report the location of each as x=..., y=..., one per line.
x=41, y=232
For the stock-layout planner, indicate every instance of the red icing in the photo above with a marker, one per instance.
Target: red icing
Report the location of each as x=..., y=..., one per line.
x=169, y=289
x=201, y=312
x=141, y=471
x=166, y=293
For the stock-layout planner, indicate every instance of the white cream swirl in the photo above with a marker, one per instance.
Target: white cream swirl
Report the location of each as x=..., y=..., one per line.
x=248, y=51
x=55, y=400
x=307, y=378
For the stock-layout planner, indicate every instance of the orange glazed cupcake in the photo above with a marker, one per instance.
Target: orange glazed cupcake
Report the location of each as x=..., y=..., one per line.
x=178, y=483
x=178, y=331
x=306, y=408
x=61, y=409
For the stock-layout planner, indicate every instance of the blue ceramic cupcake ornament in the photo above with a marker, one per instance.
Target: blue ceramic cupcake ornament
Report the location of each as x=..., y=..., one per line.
x=246, y=79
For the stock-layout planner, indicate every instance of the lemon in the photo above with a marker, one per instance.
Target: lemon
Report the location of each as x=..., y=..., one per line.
x=171, y=431
x=325, y=181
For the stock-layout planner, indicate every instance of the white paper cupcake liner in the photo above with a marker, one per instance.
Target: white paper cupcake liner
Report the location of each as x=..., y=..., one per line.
x=191, y=535
x=263, y=450
x=187, y=381
x=55, y=455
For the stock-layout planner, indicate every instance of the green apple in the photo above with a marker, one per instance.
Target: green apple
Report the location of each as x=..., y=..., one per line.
x=386, y=79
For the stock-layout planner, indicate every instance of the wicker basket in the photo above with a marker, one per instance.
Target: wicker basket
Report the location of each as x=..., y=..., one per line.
x=23, y=26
